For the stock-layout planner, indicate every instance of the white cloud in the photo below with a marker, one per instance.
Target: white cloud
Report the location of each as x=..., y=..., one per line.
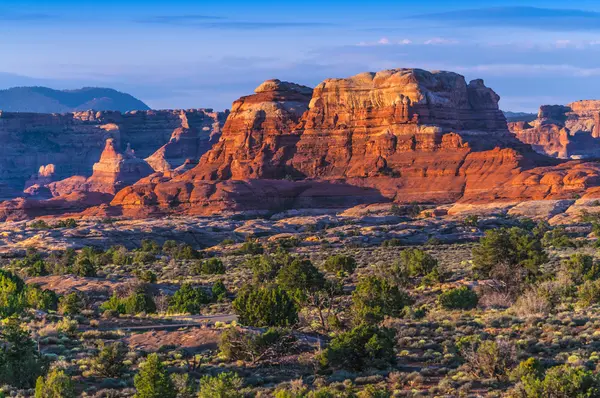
x=384, y=41
x=440, y=41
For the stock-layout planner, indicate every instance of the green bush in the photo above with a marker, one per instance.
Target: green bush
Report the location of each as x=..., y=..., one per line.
x=491, y=359
x=137, y=302
x=149, y=246
x=109, y=360
x=146, y=276
x=263, y=306
x=375, y=298
x=557, y=238
x=251, y=247
x=340, y=264
x=418, y=262
x=300, y=277
x=265, y=268
x=188, y=300
x=20, y=362
x=224, y=385
x=562, y=381
x=582, y=267
x=219, y=291
x=71, y=304
x=212, y=266
x=239, y=344
x=152, y=381
x=461, y=298
x=144, y=257
x=363, y=347
x=588, y=293
x=44, y=300
x=514, y=247
x=55, y=385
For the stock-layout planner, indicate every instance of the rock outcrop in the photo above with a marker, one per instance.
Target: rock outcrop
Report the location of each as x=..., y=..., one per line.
x=400, y=135
x=571, y=131
x=73, y=142
x=116, y=170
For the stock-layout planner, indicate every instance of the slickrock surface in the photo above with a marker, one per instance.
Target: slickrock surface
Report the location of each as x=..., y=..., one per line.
x=73, y=142
x=571, y=131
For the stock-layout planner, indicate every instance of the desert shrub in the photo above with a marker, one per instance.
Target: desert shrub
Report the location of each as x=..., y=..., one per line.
x=149, y=246
x=251, y=247
x=146, y=276
x=219, y=291
x=212, y=266
x=119, y=255
x=139, y=302
x=531, y=367
x=144, y=257
x=109, y=360
x=375, y=298
x=224, y=385
x=300, y=277
x=265, y=268
x=363, y=347
x=340, y=264
x=185, y=385
x=152, y=381
x=239, y=344
x=262, y=306
x=532, y=302
x=461, y=298
x=493, y=359
x=114, y=304
x=12, y=300
x=61, y=262
x=187, y=252
x=418, y=262
x=71, y=304
x=557, y=238
x=581, y=267
x=39, y=224
x=41, y=299
x=562, y=381
x=515, y=247
x=188, y=299
x=20, y=362
x=38, y=269
x=84, y=267
x=471, y=220
x=55, y=385
x=394, y=242
x=588, y=293
x=68, y=223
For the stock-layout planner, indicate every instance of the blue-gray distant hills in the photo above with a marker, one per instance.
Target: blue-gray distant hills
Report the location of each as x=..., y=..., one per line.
x=47, y=100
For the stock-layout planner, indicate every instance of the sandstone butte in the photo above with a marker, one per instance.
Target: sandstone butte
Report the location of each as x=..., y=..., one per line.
x=404, y=135
x=570, y=131
x=398, y=135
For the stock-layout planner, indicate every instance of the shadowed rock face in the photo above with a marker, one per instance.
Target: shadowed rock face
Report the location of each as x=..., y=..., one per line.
x=73, y=142
x=571, y=131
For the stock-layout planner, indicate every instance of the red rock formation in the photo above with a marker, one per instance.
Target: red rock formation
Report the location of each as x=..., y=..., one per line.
x=571, y=131
x=115, y=171
x=404, y=135
x=186, y=143
x=74, y=141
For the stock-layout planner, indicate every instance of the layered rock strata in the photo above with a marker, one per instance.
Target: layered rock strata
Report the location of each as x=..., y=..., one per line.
x=571, y=131
x=73, y=142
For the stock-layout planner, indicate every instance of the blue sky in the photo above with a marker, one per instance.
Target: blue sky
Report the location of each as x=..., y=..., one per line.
x=184, y=54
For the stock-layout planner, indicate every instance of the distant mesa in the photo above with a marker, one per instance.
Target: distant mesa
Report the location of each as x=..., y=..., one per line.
x=47, y=100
